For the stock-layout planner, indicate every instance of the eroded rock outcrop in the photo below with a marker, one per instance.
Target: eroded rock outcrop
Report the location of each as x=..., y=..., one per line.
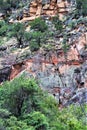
x=49, y=8
x=60, y=76
x=61, y=73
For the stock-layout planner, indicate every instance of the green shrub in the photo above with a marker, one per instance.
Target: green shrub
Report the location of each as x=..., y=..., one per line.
x=57, y=23
x=8, y=4
x=24, y=106
x=34, y=46
x=39, y=25
x=13, y=124
x=17, y=91
x=65, y=46
x=18, y=31
x=82, y=7
x=3, y=28
x=35, y=39
x=38, y=120
x=2, y=23
x=73, y=117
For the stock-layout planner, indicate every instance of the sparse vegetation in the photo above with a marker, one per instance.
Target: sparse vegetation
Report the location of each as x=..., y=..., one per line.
x=57, y=23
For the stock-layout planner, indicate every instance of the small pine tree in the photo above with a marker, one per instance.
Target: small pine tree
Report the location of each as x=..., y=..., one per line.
x=18, y=31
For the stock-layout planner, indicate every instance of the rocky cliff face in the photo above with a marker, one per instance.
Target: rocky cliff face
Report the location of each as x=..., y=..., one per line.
x=48, y=7
x=44, y=8
x=64, y=75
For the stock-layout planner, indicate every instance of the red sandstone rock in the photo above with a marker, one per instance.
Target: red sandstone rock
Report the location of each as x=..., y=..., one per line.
x=51, y=9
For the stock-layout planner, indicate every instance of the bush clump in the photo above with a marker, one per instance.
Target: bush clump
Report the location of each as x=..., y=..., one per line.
x=57, y=23
x=3, y=28
x=39, y=25
x=82, y=7
x=24, y=106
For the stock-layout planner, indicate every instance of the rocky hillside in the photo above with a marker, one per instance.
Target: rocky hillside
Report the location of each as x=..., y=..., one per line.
x=60, y=63
x=37, y=8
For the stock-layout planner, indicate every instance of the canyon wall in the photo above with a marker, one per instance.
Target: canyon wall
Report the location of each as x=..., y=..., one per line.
x=48, y=8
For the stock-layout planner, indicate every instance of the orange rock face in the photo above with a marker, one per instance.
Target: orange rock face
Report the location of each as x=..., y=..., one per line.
x=16, y=69
x=52, y=58
x=51, y=9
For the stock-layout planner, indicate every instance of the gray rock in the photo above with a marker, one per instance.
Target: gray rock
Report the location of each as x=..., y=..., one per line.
x=5, y=73
x=84, y=54
x=3, y=48
x=45, y=2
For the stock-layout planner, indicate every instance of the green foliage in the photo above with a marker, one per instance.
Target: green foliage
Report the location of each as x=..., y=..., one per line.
x=17, y=92
x=8, y=4
x=34, y=46
x=3, y=28
x=18, y=31
x=65, y=46
x=4, y=113
x=39, y=25
x=57, y=23
x=82, y=7
x=13, y=124
x=35, y=42
x=36, y=39
x=5, y=5
x=38, y=120
x=73, y=117
x=24, y=106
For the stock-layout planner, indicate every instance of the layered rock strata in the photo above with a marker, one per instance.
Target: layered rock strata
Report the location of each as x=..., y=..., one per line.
x=49, y=8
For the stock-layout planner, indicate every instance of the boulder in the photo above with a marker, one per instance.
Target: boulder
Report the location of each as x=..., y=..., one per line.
x=3, y=48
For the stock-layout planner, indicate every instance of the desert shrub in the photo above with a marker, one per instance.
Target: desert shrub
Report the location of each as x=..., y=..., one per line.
x=39, y=25
x=35, y=42
x=17, y=30
x=3, y=28
x=65, y=46
x=82, y=7
x=35, y=39
x=8, y=4
x=2, y=23
x=57, y=23
x=6, y=7
x=34, y=46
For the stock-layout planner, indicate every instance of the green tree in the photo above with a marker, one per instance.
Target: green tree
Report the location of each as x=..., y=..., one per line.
x=57, y=23
x=25, y=106
x=18, y=31
x=82, y=7
x=39, y=25
x=65, y=46
x=35, y=39
x=38, y=120
x=3, y=28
